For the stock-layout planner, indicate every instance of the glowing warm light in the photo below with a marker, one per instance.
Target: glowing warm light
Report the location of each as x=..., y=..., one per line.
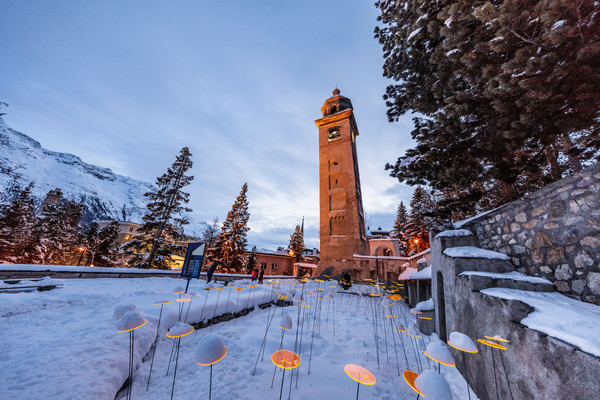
x=303, y=305
x=320, y=289
x=251, y=285
x=319, y=280
x=239, y=288
x=180, y=291
x=360, y=374
x=192, y=294
x=410, y=377
x=388, y=296
x=219, y=359
x=396, y=297
x=416, y=240
x=285, y=359
x=390, y=316
x=81, y=249
x=139, y=326
x=310, y=292
x=415, y=311
x=491, y=344
x=91, y=265
x=429, y=318
x=415, y=335
x=220, y=289
x=181, y=334
x=435, y=359
x=184, y=300
x=499, y=339
x=465, y=350
x=158, y=303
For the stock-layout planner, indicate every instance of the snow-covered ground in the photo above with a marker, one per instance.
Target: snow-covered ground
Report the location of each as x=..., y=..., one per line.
x=64, y=344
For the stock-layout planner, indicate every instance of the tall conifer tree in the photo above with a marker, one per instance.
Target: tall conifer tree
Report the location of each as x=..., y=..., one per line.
x=16, y=223
x=399, y=231
x=155, y=243
x=231, y=242
x=509, y=92
x=297, y=243
x=419, y=223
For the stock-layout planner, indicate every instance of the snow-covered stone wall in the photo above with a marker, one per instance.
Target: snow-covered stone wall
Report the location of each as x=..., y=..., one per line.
x=553, y=233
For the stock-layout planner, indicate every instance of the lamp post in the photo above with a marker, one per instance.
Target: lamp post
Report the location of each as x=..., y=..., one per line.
x=83, y=250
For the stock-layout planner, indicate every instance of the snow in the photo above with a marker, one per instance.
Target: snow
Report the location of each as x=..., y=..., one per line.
x=439, y=352
x=121, y=309
x=131, y=320
x=406, y=274
x=474, y=252
x=448, y=21
x=433, y=386
x=73, y=268
x=460, y=224
x=210, y=349
x=44, y=282
x=453, y=51
x=514, y=275
x=556, y=315
x=413, y=33
x=462, y=342
x=454, y=233
x=180, y=329
x=286, y=322
x=71, y=348
x=426, y=305
x=558, y=24
x=425, y=273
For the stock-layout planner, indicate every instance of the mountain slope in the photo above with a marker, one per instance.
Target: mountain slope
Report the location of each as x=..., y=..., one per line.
x=104, y=194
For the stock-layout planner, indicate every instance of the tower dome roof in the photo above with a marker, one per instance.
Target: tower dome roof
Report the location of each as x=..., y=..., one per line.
x=335, y=104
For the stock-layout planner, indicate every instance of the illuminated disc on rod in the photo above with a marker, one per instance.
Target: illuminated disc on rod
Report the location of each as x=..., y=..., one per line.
x=491, y=344
x=410, y=377
x=285, y=359
x=184, y=300
x=239, y=288
x=158, y=303
x=181, y=334
x=499, y=339
x=360, y=374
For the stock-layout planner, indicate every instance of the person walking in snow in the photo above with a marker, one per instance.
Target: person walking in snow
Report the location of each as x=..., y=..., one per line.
x=261, y=275
x=211, y=271
x=254, y=274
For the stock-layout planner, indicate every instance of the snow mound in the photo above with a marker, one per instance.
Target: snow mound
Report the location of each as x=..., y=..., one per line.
x=426, y=305
x=210, y=350
x=439, y=352
x=286, y=322
x=180, y=329
x=514, y=275
x=425, y=273
x=121, y=309
x=462, y=342
x=454, y=233
x=433, y=386
x=474, y=252
x=131, y=320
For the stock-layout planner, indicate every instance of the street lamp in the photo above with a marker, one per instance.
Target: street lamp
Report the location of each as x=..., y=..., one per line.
x=83, y=250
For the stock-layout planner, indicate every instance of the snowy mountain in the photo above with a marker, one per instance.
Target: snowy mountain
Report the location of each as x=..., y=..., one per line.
x=104, y=194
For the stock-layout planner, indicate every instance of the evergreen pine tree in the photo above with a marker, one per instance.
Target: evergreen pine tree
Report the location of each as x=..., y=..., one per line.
x=55, y=235
x=210, y=232
x=399, y=231
x=419, y=221
x=16, y=223
x=231, y=241
x=100, y=244
x=509, y=93
x=296, y=246
x=155, y=242
x=251, y=263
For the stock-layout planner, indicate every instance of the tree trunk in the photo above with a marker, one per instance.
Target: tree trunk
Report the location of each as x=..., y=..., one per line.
x=573, y=159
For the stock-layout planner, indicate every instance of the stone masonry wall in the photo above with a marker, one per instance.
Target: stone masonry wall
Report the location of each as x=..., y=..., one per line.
x=553, y=233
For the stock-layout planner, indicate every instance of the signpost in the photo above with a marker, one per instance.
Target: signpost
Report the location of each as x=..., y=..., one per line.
x=193, y=262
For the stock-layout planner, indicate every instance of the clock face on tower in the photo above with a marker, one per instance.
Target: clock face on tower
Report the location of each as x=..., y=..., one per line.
x=333, y=134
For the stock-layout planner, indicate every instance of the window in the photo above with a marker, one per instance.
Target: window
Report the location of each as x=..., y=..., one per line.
x=333, y=134
x=130, y=229
x=273, y=267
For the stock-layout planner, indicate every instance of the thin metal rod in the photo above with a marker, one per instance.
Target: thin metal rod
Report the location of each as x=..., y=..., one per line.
x=155, y=346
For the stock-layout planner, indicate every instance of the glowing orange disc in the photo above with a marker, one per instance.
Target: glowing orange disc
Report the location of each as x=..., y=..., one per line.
x=220, y=289
x=179, y=291
x=139, y=326
x=360, y=374
x=285, y=359
x=410, y=377
x=491, y=344
x=184, y=300
x=181, y=334
x=239, y=288
x=251, y=285
x=429, y=318
x=499, y=339
x=390, y=316
x=192, y=294
x=158, y=303
x=303, y=305
x=320, y=289
x=396, y=297
x=319, y=280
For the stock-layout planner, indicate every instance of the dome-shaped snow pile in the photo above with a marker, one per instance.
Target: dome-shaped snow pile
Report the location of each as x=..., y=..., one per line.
x=433, y=386
x=209, y=286
x=400, y=327
x=298, y=297
x=462, y=342
x=426, y=305
x=286, y=322
x=439, y=352
x=412, y=331
x=180, y=329
x=131, y=320
x=121, y=309
x=210, y=350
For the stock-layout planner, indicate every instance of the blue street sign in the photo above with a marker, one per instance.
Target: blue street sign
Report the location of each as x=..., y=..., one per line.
x=193, y=260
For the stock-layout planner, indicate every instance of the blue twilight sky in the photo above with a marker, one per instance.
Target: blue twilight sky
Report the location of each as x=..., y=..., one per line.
x=127, y=84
